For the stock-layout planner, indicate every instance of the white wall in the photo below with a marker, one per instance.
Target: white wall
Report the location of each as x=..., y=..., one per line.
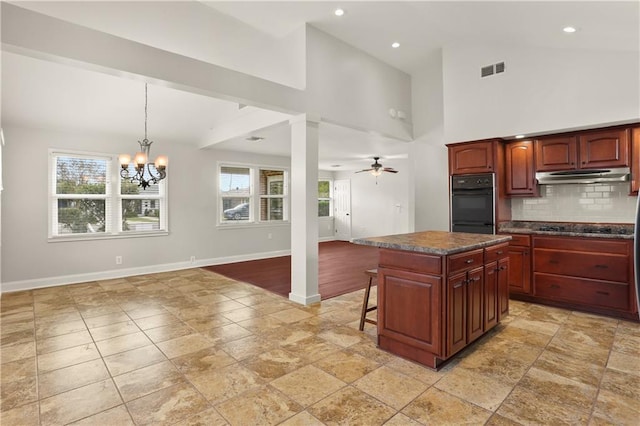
x=191, y=29
x=27, y=257
x=382, y=208
x=349, y=87
x=428, y=153
x=542, y=90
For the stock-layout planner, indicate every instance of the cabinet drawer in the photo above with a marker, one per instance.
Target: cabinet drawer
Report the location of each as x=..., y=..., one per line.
x=496, y=252
x=520, y=240
x=467, y=260
x=411, y=261
x=599, y=266
x=582, y=291
x=577, y=244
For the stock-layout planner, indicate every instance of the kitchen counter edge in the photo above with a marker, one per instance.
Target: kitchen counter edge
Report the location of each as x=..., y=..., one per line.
x=434, y=242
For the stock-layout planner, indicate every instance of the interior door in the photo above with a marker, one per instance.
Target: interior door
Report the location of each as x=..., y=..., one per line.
x=342, y=209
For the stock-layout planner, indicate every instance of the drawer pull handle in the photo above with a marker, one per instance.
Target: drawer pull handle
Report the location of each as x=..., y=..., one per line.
x=460, y=284
x=499, y=252
x=554, y=286
x=468, y=261
x=602, y=266
x=502, y=268
x=604, y=293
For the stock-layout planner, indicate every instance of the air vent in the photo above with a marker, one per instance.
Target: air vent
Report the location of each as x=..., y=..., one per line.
x=492, y=69
x=486, y=71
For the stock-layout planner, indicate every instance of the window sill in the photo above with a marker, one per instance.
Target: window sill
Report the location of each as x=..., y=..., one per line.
x=250, y=225
x=63, y=239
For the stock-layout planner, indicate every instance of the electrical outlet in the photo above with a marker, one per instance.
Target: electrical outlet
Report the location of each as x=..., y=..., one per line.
x=193, y=259
x=118, y=260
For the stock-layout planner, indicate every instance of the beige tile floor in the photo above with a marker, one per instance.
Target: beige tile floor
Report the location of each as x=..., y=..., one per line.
x=192, y=347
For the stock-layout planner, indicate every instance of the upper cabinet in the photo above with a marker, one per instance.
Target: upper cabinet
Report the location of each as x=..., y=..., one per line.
x=635, y=160
x=520, y=169
x=471, y=157
x=585, y=150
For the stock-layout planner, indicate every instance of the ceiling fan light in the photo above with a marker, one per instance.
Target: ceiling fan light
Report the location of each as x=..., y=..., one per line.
x=376, y=172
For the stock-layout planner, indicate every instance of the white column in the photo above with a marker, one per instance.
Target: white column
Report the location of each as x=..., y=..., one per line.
x=304, y=209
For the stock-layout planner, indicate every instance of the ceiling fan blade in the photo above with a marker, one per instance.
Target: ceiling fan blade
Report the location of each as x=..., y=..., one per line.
x=365, y=170
x=390, y=170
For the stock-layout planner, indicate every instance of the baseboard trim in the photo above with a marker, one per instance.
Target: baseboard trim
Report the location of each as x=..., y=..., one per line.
x=308, y=300
x=13, y=286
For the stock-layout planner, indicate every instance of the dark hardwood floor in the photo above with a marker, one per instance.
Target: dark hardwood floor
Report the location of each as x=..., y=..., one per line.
x=341, y=269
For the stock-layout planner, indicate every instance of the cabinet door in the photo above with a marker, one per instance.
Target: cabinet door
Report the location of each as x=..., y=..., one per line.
x=475, y=304
x=519, y=270
x=635, y=160
x=456, y=313
x=520, y=169
x=504, y=269
x=491, y=298
x=556, y=153
x=410, y=309
x=471, y=158
x=606, y=148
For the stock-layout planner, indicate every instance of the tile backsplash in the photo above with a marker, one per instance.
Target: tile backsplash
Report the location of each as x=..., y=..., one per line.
x=608, y=202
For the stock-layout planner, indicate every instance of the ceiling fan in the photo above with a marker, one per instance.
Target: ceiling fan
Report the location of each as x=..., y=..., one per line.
x=377, y=168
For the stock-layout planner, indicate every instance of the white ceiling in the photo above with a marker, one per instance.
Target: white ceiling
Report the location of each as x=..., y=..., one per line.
x=50, y=95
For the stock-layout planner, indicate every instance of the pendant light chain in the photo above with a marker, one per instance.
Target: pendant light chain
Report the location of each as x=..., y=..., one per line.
x=145, y=111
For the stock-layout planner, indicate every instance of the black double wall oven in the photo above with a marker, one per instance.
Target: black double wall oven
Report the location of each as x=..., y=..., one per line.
x=473, y=203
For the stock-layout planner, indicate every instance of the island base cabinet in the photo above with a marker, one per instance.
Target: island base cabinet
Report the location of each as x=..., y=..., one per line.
x=431, y=307
x=409, y=313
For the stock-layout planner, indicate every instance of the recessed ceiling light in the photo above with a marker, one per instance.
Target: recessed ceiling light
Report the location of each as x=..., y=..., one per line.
x=569, y=29
x=519, y=136
x=395, y=44
x=255, y=138
x=336, y=165
x=338, y=12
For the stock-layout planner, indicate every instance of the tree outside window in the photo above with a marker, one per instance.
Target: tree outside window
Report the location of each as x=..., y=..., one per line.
x=324, y=198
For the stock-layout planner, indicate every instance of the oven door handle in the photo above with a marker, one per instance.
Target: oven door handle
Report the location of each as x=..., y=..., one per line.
x=457, y=222
x=478, y=191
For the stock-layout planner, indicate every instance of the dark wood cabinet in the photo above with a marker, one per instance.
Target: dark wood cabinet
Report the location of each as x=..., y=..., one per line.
x=556, y=153
x=635, y=160
x=520, y=169
x=430, y=307
x=519, y=276
x=585, y=150
x=471, y=157
x=585, y=273
x=465, y=309
x=604, y=148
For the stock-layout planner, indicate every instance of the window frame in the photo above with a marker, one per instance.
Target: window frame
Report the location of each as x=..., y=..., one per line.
x=330, y=198
x=113, y=200
x=254, y=196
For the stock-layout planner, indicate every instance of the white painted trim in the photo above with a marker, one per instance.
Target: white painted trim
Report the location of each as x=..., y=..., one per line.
x=325, y=239
x=12, y=286
x=304, y=300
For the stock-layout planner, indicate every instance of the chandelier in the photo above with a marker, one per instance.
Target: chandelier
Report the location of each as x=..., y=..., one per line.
x=145, y=173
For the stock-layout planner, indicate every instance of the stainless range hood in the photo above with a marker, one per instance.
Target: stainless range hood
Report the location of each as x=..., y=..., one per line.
x=584, y=176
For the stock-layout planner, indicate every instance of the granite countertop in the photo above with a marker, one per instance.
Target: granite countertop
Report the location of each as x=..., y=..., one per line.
x=434, y=242
x=575, y=229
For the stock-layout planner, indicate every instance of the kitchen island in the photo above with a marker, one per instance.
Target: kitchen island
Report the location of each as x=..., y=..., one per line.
x=439, y=291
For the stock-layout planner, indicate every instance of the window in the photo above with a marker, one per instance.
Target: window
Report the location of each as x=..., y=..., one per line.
x=239, y=203
x=324, y=198
x=89, y=199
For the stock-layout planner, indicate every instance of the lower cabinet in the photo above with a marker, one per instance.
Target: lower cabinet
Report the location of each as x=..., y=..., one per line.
x=431, y=307
x=519, y=280
x=590, y=274
x=465, y=309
